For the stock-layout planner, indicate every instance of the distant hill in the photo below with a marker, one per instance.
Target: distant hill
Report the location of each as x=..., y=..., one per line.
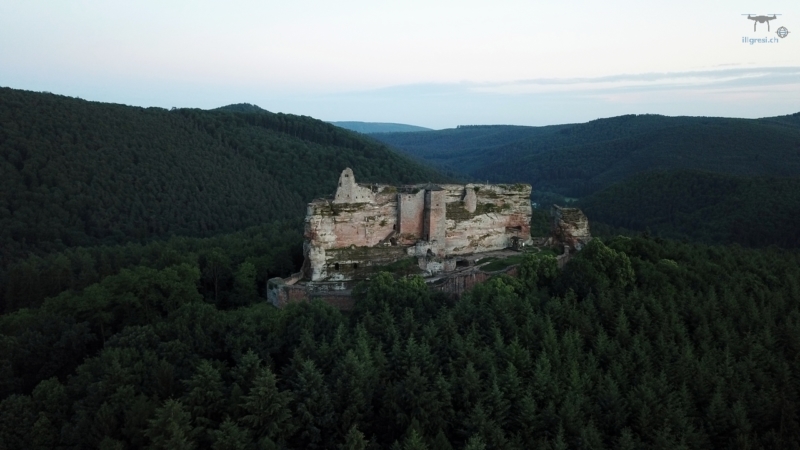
x=702, y=206
x=579, y=159
x=242, y=108
x=461, y=149
x=79, y=173
x=379, y=127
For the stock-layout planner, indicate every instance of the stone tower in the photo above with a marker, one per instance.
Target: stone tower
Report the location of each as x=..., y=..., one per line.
x=435, y=219
x=350, y=192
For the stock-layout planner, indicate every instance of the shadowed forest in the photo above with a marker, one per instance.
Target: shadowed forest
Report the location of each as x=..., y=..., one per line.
x=136, y=245
x=639, y=343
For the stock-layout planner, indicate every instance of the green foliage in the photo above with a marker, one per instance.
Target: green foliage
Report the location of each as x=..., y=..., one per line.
x=598, y=268
x=578, y=159
x=171, y=428
x=266, y=407
x=274, y=249
x=354, y=440
x=88, y=174
x=230, y=437
x=637, y=343
x=704, y=207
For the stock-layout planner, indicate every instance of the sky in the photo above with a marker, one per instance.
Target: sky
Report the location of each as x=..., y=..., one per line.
x=430, y=63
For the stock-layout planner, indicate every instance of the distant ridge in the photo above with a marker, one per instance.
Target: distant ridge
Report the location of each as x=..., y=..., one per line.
x=242, y=108
x=379, y=127
x=576, y=160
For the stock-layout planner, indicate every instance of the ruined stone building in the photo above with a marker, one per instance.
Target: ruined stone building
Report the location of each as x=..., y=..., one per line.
x=440, y=230
x=366, y=226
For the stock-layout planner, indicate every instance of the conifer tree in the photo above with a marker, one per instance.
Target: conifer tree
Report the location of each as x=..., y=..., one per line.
x=267, y=407
x=171, y=427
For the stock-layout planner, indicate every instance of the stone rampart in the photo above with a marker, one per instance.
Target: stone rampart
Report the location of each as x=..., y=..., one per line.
x=443, y=220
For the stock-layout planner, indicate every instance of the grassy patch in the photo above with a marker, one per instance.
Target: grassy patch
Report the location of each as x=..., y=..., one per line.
x=405, y=266
x=495, y=264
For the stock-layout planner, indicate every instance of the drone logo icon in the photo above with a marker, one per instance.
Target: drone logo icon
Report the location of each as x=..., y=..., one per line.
x=761, y=19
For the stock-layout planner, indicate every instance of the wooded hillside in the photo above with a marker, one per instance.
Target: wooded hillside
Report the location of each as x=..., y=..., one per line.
x=577, y=160
x=79, y=173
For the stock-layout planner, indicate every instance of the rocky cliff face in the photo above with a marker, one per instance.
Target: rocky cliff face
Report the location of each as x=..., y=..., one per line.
x=330, y=226
x=499, y=212
x=571, y=227
x=367, y=226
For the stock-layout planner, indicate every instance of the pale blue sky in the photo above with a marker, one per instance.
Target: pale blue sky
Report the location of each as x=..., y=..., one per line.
x=432, y=63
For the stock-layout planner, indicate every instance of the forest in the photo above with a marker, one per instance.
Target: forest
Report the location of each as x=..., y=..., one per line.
x=638, y=343
x=701, y=179
x=579, y=159
x=701, y=207
x=136, y=245
x=79, y=174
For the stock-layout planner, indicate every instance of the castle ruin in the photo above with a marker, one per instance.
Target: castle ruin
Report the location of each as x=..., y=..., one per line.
x=440, y=231
x=366, y=226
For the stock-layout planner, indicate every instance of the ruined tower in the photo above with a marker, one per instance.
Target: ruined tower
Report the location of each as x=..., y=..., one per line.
x=434, y=221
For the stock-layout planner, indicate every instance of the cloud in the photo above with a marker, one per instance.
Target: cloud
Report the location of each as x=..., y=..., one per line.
x=730, y=77
x=732, y=91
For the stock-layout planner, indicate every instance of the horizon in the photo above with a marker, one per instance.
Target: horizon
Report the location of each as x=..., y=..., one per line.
x=334, y=122
x=431, y=65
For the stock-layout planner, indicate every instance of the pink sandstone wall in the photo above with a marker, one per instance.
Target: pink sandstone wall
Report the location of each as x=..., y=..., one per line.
x=435, y=221
x=460, y=220
x=410, y=217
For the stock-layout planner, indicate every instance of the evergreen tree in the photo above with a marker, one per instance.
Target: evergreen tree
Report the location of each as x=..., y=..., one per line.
x=171, y=428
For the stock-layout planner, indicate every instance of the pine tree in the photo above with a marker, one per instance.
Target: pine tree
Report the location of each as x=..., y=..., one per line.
x=414, y=441
x=267, y=408
x=475, y=443
x=171, y=428
x=354, y=440
x=230, y=437
x=204, y=395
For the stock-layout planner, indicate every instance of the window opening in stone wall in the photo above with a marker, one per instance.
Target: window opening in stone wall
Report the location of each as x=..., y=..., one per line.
x=355, y=265
x=336, y=266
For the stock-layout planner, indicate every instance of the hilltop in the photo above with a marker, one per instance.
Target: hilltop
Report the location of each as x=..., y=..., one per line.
x=80, y=173
x=379, y=127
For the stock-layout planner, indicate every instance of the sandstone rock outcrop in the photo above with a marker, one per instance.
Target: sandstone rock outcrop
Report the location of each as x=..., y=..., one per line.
x=571, y=227
x=364, y=227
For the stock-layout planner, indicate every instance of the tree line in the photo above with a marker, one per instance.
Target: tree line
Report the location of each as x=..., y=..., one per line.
x=638, y=343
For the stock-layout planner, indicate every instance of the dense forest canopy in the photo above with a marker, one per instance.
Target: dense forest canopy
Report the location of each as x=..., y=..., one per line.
x=577, y=160
x=638, y=343
x=79, y=173
x=702, y=207
x=136, y=245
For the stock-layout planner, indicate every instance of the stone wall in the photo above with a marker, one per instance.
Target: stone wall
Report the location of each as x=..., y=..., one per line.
x=350, y=192
x=354, y=263
x=426, y=221
x=457, y=284
x=330, y=225
x=281, y=294
x=435, y=220
x=500, y=213
x=411, y=207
